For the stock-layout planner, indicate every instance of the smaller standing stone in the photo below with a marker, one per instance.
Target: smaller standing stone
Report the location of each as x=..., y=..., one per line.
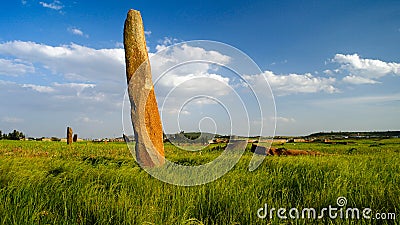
x=75, y=139
x=69, y=135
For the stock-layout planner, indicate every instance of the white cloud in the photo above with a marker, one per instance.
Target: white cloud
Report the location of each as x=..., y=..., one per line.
x=328, y=72
x=15, y=67
x=39, y=88
x=69, y=91
x=361, y=71
x=5, y=83
x=147, y=32
x=167, y=41
x=189, y=81
x=93, y=64
x=79, y=78
x=119, y=45
x=87, y=84
x=292, y=83
x=177, y=86
x=84, y=83
x=196, y=83
x=185, y=54
x=77, y=31
x=77, y=86
x=86, y=119
x=367, y=100
x=280, y=119
x=190, y=78
x=24, y=2
x=358, y=80
x=12, y=120
x=56, y=5
x=175, y=111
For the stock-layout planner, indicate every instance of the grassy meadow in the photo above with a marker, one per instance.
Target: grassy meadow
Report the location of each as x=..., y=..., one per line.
x=97, y=183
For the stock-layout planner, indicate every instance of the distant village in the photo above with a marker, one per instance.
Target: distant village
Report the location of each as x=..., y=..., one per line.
x=208, y=138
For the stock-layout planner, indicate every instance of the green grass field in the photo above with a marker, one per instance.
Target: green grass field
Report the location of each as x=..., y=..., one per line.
x=97, y=183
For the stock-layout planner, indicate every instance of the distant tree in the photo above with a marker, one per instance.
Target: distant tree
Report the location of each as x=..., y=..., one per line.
x=55, y=139
x=15, y=135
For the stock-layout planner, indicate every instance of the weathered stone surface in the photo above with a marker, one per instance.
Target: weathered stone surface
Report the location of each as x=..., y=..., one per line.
x=75, y=139
x=144, y=110
x=69, y=135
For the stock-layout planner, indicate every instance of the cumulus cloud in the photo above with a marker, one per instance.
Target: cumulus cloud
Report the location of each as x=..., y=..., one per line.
x=68, y=79
x=39, y=88
x=68, y=90
x=94, y=79
x=86, y=119
x=281, y=119
x=187, y=56
x=73, y=80
x=15, y=67
x=76, y=31
x=119, y=45
x=328, y=72
x=167, y=41
x=8, y=119
x=359, y=80
x=189, y=81
x=175, y=111
x=79, y=87
x=93, y=64
x=364, y=71
x=195, y=84
x=190, y=77
x=360, y=100
x=5, y=83
x=181, y=81
x=55, y=5
x=105, y=67
x=293, y=83
x=86, y=77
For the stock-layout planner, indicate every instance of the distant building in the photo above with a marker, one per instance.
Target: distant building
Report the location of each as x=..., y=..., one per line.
x=299, y=140
x=119, y=139
x=276, y=141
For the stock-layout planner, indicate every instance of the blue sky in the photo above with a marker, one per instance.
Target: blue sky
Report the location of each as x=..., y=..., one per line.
x=332, y=65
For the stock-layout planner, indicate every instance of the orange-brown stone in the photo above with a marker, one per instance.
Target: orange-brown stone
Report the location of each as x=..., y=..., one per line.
x=69, y=135
x=146, y=120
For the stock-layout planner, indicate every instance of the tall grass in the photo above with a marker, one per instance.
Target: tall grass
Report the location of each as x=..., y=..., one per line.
x=87, y=183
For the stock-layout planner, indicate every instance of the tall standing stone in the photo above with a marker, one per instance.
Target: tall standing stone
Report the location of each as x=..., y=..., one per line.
x=69, y=135
x=146, y=120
